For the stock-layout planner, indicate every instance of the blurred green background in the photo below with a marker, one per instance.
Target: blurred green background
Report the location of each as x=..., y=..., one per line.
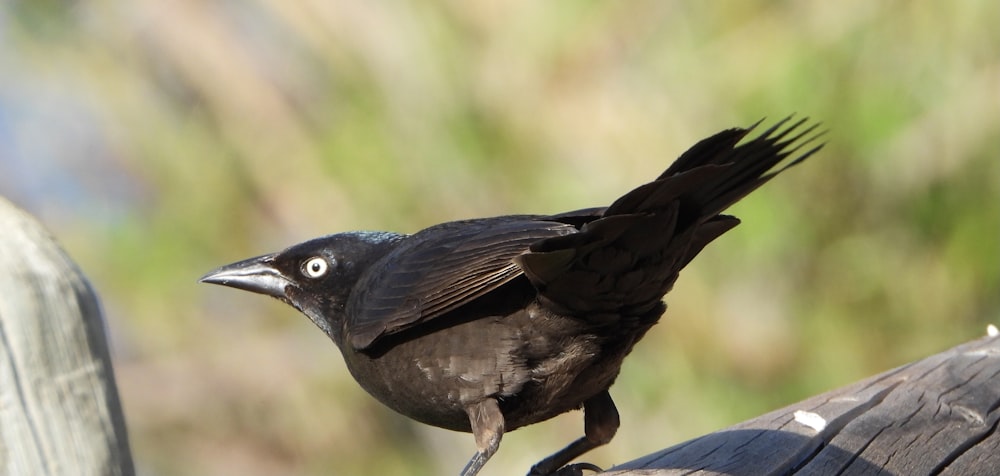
x=161, y=138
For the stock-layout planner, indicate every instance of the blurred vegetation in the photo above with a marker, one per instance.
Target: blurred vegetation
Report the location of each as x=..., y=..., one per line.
x=159, y=139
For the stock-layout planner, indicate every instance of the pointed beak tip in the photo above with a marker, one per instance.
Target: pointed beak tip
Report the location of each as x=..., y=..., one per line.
x=209, y=278
x=215, y=276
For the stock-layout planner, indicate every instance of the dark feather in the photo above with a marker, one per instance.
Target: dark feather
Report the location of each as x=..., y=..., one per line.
x=439, y=269
x=627, y=260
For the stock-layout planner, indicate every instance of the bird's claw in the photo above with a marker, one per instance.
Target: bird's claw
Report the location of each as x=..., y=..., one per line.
x=575, y=469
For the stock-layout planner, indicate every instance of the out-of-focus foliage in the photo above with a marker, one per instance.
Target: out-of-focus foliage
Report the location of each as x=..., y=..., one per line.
x=159, y=139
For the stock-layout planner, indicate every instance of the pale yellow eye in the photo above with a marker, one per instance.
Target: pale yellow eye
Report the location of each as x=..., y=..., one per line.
x=315, y=267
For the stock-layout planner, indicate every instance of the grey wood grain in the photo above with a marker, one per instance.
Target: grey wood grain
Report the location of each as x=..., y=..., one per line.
x=59, y=406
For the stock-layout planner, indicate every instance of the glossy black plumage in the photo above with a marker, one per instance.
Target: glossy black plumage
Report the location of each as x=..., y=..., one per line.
x=490, y=324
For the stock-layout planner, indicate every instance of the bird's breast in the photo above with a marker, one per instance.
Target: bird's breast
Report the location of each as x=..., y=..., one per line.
x=538, y=365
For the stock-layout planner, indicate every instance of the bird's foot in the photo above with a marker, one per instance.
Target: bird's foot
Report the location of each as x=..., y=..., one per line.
x=575, y=469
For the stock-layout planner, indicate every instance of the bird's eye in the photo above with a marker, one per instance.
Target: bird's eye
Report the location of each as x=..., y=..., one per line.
x=315, y=267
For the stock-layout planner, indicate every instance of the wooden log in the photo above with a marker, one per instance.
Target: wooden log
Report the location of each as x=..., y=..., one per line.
x=938, y=415
x=59, y=406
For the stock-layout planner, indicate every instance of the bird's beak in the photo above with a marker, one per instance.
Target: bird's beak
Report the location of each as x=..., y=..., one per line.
x=256, y=275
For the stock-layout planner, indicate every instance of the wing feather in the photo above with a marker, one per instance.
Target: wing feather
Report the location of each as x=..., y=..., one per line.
x=439, y=269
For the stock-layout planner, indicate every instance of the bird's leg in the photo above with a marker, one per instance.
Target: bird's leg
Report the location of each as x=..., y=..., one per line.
x=600, y=422
x=487, y=427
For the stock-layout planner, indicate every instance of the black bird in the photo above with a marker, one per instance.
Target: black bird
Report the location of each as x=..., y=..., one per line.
x=491, y=324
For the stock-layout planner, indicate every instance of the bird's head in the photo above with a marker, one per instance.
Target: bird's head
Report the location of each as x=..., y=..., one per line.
x=316, y=277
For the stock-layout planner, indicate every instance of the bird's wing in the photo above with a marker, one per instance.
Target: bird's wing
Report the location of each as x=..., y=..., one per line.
x=441, y=268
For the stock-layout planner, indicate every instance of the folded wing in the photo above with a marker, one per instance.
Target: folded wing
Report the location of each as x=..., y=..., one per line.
x=440, y=269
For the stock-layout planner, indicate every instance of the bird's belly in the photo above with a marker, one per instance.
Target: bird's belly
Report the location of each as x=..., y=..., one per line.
x=536, y=367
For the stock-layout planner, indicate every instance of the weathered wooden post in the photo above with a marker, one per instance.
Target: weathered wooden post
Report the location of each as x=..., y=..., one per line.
x=59, y=407
x=935, y=416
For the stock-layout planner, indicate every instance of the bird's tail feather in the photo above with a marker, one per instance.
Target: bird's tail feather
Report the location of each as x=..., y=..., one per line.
x=718, y=171
x=624, y=262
